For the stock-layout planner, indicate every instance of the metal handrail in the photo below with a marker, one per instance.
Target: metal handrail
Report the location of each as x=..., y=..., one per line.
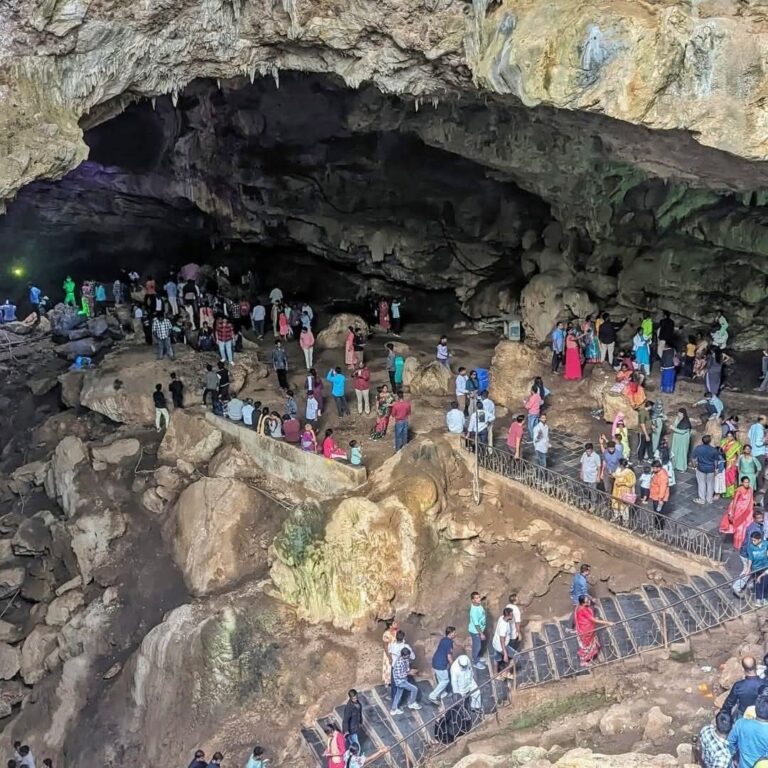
x=729, y=611
x=638, y=519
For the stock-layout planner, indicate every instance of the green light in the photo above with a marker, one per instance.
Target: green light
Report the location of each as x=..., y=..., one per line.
x=17, y=271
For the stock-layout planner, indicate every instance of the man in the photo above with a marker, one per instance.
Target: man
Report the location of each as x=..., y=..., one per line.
x=461, y=389
x=743, y=693
x=362, y=385
x=216, y=760
x=665, y=333
x=476, y=629
x=713, y=742
x=258, y=313
x=248, y=411
x=401, y=412
x=198, y=761
x=358, y=345
x=400, y=670
x=501, y=637
x=756, y=438
x=558, y=346
x=713, y=406
x=176, y=388
x=394, y=313
x=478, y=425
x=34, y=298
x=645, y=430
x=463, y=681
x=338, y=383
x=705, y=458
x=441, y=663
x=69, y=291
x=391, y=356
x=516, y=636
x=757, y=553
x=659, y=491
x=222, y=374
x=579, y=584
x=211, y=384
x=8, y=312
x=515, y=436
x=763, y=372
x=490, y=413
x=590, y=466
x=27, y=759
x=224, y=333
x=280, y=364
x=756, y=526
x=352, y=720
x=161, y=407
x=235, y=409
x=161, y=332
x=275, y=296
x=606, y=337
x=541, y=441
x=749, y=738
x=172, y=292
x=455, y=420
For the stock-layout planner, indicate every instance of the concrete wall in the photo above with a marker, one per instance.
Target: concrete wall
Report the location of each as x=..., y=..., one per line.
x=316, y=473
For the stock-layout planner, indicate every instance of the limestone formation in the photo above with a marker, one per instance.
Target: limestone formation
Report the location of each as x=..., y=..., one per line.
x=510, y=370
x=37, y=648
x=115, y=452
x=10, y=661
x=91, y=536
x=189, y=437
x=60, y=483
x=334, y=335
x=232, y=461
x=430, y=379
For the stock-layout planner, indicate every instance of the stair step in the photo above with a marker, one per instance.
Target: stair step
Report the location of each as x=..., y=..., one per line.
x=378, y=728
x=621, y=640
x=406, y=726
x=656, y=600
x=557, y=650
x=718, y=578
x=698, y=607
x=483, y=680
x=571, y=645
x=685, y=619
x=525, y=665
x=720, y=606
x=316, y=743
x=643, y=626
x=541, y=659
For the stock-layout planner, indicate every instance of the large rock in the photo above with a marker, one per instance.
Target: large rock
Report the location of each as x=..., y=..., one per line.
x=657, y=725
x=232, y=461
x=61, y=609
x=115, y=452
x=91, y=534
x=513, y=368
x=216, y=529
x=189, y=437
x=71, y=386
x=60, y=484
x=615, y=403
x=11, y=580
x=87, y=347
x=430, y=379
x=33, y=537
x=10, y=661
x=334, y=335
x=38, y=646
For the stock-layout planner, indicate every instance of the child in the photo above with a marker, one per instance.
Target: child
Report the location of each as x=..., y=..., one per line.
x=443, y=355
x=355, y=454
x=176, y=388
x=161, y=407
x=290, y=405
x=645, y=483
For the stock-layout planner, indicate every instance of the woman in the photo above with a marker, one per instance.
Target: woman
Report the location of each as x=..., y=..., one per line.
x=642, y=352
x=657, y=423
x=307, y=344
x=731, y=449
x=624, y=374
x=749, y=467
x=624, y=482
x=331, y=449
x=635, y=393
x=336, y=746
x=314, y=384
x=668, y=370
x=387, y=639
x=384, y=403
x=714, y=371
x=538, y=386
x=385, y=323
x=399, y=370
x=275, y=425
x=533, y=404
x=349, y=348
x=473, y=387
x=589, y=336
x=309, y=439
x=586, y=626
x=664, y=454
x=621, y=433
x=738, y=516
x=284, y=327
x=572, y=358
x=681, y=440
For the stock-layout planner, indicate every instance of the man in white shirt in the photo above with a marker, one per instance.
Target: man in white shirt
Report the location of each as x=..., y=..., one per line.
x=248, y=410
x=515, y=634
x=258, y=313
x=461, y=389
x=463, y=681
x=235, y=409
x=455, y=420
x=590, y=466
x=501, y=637
x=541, y=440
x=490, y=413
x=478, y=423
x=275, y=296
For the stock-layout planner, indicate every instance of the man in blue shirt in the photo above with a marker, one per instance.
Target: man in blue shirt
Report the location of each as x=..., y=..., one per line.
x=476, y=628
x=713, y=406
x=749, y=738
x=756, y=438
x=34, y=298
x=743, y=693
x=441, y=663
x=338, y=381
x=757, y=552
x=580, y=585
x=705, y=458
x=558, y=346
x=612, y=455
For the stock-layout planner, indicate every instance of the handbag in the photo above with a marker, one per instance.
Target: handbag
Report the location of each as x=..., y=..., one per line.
x=629, y=498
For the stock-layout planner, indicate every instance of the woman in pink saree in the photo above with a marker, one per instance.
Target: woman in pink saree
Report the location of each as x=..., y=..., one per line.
x=586, y=630
x=737, y=518
x=349, y=349
x=385, y=323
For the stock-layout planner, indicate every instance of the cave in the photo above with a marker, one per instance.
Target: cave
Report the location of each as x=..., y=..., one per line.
x=468, y=208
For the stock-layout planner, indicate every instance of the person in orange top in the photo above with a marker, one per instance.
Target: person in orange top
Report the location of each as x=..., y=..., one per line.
x=659, y=492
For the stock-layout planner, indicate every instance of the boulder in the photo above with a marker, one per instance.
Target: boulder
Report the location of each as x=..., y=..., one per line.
x=32, y=537
x=730, y=672
x=334, y=335
x=615, y=403
x=63, y=319
x=191, y=437
x=98, y=326
x=91, y=534
x=115, y=452
x=170, y=478
x=10, y=633
x=430, y=379
x=153, y=502
x=619, y=718
x=513, y=368
x=11, y=580
x=61, y=610
x=12, y=692
x=27, y=475
x=232, y=461
x=60, y=483
x=38, y=646
x=10, y=661
x=71, y=386
x=216, y=527
x=657, y=725
x=41, y=385
x=87, y=347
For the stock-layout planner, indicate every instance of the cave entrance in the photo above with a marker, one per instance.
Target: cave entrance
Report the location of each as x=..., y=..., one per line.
x=309, y=184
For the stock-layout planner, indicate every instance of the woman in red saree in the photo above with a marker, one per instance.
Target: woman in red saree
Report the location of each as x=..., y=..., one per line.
x=385, y=322
x=586, y=630
x=335, y=746
x=349, y=349
x=737, y=518
x=572, y=357
x=731, y=449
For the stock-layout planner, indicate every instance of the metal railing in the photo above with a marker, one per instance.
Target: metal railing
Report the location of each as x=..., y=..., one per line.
x=629, y=636
x=632, y=517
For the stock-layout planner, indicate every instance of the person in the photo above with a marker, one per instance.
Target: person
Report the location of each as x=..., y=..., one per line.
x=580, y=583
x=441, y=663
x=355, y=454
x=623, y=491
x=358, y=345
x=349, y=348
x=757, y=553
x=400, y=670
x=275, y=426
x=384, y=402
x=308, y=439
x=589, y=336
x=258, y=314
x=645, y=430
x=442, y=354
x=257, y=759
x=390, y=363
x=248, y=410
x=461, y=389
x=572, y=357
x=307, y=344
x=27, y=758
x=606, y=336
x=352, y=719
x=515, y=437
x=362, y=385
x=658, y=492
x=401, y=412
x=161, y=332
x=665, y=334
x=613, y=453
x=234, y=409
x=335, y=746
x=681, y=440
x=198, y=761
x=642, y=352
x=338, y=390
x=748, y=467
x=291, y=428
x=385, y=322
x=210, y=383
x=749, y=738
x=589, y=466
x=284, y=324
x=331, y=449
x=150, y=290
x=645, y=483
x=621, y=434
x=69, y=292
x=395, y=650
x=463, y=681
x=312, y=409
x=586, y=625
x=473, y=388
x=290, y=404
x=533, y=404
x=205, y=340
x=713, y=743
x=455, y=420
x=280, y=364
x=172, y=293
x=489, y=407
x=668, y=370
x=730, y=447
x=176, y=388
x=756, y=439
x=223, y=376
x=388, y=638
x=558, y=346
x=738, y=516
x=161, y=407
x=399, y=371
x=476, y=628
x=541, y=441
x=713, y=406
x=224, y=333
x=713, y=376
x=744, y=692
x=394, y=309
x=8, y=312
x=34, y=298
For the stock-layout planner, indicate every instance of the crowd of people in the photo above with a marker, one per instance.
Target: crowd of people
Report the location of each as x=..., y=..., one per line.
x=256, y=759
x=23, y=757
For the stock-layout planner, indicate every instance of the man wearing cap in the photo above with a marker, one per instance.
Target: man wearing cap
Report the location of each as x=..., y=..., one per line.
x=463, y=681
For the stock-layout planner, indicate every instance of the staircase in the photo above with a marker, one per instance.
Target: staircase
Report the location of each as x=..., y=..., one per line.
x=648, y=618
